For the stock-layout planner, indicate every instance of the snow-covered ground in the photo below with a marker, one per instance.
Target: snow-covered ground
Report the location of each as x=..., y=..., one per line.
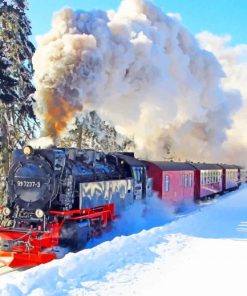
x=203, y=253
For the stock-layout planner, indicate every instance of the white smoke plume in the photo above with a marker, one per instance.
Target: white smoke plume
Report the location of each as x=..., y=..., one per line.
x=140, y=69
x=234, y=62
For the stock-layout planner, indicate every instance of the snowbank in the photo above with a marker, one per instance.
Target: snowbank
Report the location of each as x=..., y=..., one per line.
x=203, y=253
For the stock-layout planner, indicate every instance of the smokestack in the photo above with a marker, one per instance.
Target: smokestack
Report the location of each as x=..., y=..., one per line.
x=140, y=69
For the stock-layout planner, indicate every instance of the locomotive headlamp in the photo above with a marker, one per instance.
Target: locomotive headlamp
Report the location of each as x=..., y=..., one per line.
x=27, y=150
x=39, y=213
x=6, y=211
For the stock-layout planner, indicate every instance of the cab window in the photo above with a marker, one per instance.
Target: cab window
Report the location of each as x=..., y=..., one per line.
x=137, y=172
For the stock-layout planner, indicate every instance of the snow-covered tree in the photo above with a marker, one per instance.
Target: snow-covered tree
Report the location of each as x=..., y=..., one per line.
x=17, y=118
x=90, y=131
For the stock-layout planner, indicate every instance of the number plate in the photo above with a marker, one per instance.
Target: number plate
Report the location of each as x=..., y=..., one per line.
x=28, y=183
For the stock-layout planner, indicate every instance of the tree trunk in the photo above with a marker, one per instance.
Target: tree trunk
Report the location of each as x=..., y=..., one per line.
x=4, y=149
x=79, y=139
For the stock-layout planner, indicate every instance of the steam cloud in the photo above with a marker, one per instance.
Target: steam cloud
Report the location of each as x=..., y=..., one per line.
x=234, y=62
x=140, y=69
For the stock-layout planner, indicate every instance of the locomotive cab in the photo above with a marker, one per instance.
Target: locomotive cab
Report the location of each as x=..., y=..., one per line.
x=138, y=173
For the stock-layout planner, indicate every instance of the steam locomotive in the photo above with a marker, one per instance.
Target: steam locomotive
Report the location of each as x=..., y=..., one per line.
x=63, y=197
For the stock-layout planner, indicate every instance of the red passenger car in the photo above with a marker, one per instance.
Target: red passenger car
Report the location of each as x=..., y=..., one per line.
x=208, y=180
x=173, y=181
x=231, y=177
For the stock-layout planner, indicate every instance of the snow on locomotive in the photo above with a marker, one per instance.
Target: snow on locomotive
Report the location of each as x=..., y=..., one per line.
x=62, y=197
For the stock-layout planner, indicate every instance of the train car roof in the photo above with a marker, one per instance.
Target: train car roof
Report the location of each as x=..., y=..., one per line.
x=206, y=166
x=229, y=166
x=130, y=160
x=173, y=166
x=184, y=166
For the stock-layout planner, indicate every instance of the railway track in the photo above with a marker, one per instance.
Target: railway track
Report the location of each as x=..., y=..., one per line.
x=6, y=270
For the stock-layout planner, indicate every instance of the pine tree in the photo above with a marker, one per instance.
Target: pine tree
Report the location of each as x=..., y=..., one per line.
x=17, y=118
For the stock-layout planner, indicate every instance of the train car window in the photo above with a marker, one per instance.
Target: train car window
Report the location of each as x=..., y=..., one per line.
x=190, y=180
x=214, y=176
x=210, y=177
x=202, y=178
x=167, y=183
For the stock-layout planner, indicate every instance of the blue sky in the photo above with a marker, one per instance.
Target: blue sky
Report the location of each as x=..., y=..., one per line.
x=219, y=17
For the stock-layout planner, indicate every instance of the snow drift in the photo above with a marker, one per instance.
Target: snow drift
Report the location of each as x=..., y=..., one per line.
x=203, y=253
